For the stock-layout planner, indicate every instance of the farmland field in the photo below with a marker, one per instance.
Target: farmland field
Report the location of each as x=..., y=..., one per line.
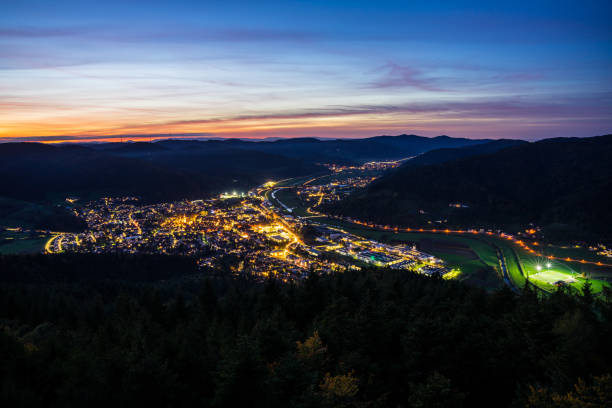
x=21, y=243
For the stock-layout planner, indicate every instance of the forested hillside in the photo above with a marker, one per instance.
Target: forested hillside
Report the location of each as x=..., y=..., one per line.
x=447, y=154
x=152, y=331
x=36, y=177
x=562, y=185
x=36, y=172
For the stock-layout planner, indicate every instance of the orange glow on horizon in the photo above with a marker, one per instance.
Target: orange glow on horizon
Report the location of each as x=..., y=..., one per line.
x=55, y=126
x=106, y=128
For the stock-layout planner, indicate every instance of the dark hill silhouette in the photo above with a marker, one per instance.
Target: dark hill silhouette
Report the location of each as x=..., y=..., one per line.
x=562, y=184
x=172, y=169
x=335, y=150
x=176, y=169
x=36, y=172
x=443, y=155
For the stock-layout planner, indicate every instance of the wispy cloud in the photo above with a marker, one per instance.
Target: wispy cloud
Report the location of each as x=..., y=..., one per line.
x=395, y=76
x=36, y=32
x=126, y=136
x=512, y=112
x=487, y=108
x=143, y=34
x=104, y=68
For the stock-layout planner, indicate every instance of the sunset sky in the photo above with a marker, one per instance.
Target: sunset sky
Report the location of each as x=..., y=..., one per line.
x=93, y=70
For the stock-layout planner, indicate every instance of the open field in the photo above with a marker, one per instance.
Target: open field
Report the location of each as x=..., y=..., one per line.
x=339, y=177
x=25, y=246
x=297, y=180
x=447, y=246
x=513, y=266
x=21, y=243
x=291, y=200
x=574, y=253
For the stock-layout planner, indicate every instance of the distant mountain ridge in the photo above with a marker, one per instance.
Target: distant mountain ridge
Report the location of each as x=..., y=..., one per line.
x=174, y=169
x=312, y=149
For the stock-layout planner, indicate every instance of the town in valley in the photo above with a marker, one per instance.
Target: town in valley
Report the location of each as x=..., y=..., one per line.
x=255, y=233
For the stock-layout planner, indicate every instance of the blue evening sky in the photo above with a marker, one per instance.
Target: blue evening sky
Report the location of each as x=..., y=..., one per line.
x=72, y=70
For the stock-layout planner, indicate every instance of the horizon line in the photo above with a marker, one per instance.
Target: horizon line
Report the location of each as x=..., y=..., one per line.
x=203, y=137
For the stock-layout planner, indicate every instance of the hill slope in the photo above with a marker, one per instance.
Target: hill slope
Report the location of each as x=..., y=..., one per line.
x=446, y=154
x=561, y=184
x=39, y=176
x=117, y=330
x=174, y=169
x=35, y=172
x=327, y=151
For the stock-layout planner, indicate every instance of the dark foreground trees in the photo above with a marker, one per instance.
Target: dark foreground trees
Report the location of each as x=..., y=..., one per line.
x=360, y=339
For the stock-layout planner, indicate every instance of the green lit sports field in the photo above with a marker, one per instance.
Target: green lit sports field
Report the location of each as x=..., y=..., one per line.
x=545, y=273
x=552, y=276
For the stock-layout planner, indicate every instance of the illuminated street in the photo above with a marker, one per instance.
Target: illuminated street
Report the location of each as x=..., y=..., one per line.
x=246, y=231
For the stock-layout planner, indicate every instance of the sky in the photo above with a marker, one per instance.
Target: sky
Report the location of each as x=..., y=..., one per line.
x=144, y=70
